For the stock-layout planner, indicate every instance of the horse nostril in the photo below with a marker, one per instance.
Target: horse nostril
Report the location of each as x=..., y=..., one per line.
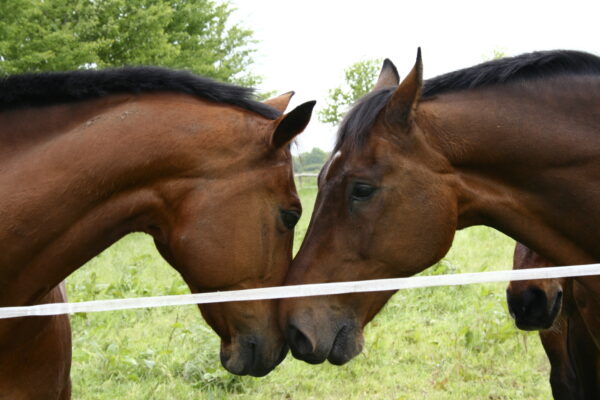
x=559, y=295
x=531, y=302
x=298, y=341
x=557, y=303
x=535, y=298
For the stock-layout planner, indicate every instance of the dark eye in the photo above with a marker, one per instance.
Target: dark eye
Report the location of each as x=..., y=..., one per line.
x=290, y=218
x=362, y=191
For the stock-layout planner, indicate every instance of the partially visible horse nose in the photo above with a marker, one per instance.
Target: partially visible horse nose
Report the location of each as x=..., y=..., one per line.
x=535, y=302
x=253, y=355
x=300, y=344
x=239, y=357
x=531, y=303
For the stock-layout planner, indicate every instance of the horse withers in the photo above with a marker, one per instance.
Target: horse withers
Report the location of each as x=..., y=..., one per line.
x=89, y=156
x=547, y=305
x=512, y=143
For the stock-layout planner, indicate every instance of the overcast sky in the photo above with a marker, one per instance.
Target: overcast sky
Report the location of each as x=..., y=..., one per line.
x=305, y=45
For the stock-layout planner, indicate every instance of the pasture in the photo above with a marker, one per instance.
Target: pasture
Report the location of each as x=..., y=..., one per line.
x=440, y=343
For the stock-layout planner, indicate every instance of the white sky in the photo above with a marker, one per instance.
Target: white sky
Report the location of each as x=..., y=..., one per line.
x=305, y=45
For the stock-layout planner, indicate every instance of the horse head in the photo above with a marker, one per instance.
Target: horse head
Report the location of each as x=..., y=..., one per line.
x=228, y=225
x=534, y=304
x=384, y=209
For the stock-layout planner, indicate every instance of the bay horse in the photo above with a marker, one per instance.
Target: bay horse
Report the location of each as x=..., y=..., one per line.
x=87, y=157
x=513, y=144
x=573, y=355
x=536, y=304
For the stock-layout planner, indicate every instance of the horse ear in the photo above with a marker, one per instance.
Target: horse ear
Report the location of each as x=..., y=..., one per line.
x=388, y=76
x=281, y=102
x=291, y=124
x=405, y=97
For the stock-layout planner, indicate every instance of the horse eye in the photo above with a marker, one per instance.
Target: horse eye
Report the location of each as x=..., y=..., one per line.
x=362, y=191
x=290, y=218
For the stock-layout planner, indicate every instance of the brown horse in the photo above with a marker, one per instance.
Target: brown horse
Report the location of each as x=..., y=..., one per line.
x=573, y=355
x=513, y=144
x=35, y=357
x=535, y=304
x=89, y=156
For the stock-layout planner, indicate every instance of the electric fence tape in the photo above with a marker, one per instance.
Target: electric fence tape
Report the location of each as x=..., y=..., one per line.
x=319, y=289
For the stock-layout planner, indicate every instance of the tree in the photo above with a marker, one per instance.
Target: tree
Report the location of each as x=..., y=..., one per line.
x=360, y=78
x=310, y=161
x=51, y=35
x=496, y=55
x=42, y=36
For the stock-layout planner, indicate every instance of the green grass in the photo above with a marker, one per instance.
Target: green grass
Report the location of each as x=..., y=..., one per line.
x=440, y=343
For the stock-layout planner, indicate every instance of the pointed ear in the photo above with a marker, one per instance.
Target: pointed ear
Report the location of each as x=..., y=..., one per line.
x=405, y=97
x=291, y=124
x=281, y=102
x=388, y=76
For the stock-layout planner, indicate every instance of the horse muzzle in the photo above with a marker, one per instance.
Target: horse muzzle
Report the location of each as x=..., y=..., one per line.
x=250, y=355
x=533, y=310
x=336, y=342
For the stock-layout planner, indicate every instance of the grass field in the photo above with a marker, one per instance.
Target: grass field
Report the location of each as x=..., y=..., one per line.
x=441, y=343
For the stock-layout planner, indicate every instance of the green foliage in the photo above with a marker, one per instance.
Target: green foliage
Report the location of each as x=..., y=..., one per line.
x=44, y=35
x=360, y=78
x=310, y=161
x=496, y=55
x=53, y=35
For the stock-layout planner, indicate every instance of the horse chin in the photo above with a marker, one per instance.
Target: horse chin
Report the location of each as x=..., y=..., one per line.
x=248, y=357
x=526, y=325
x=347, y=344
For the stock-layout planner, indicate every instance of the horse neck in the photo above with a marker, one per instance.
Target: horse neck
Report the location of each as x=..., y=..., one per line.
x=522, y=156
x=73, y=193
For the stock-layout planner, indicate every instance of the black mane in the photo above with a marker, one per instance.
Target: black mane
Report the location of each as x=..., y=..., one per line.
x=42, y=89
x=537, y=65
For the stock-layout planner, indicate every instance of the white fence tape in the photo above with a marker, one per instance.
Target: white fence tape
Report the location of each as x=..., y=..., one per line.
x=309, y=174
x=319, y=289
